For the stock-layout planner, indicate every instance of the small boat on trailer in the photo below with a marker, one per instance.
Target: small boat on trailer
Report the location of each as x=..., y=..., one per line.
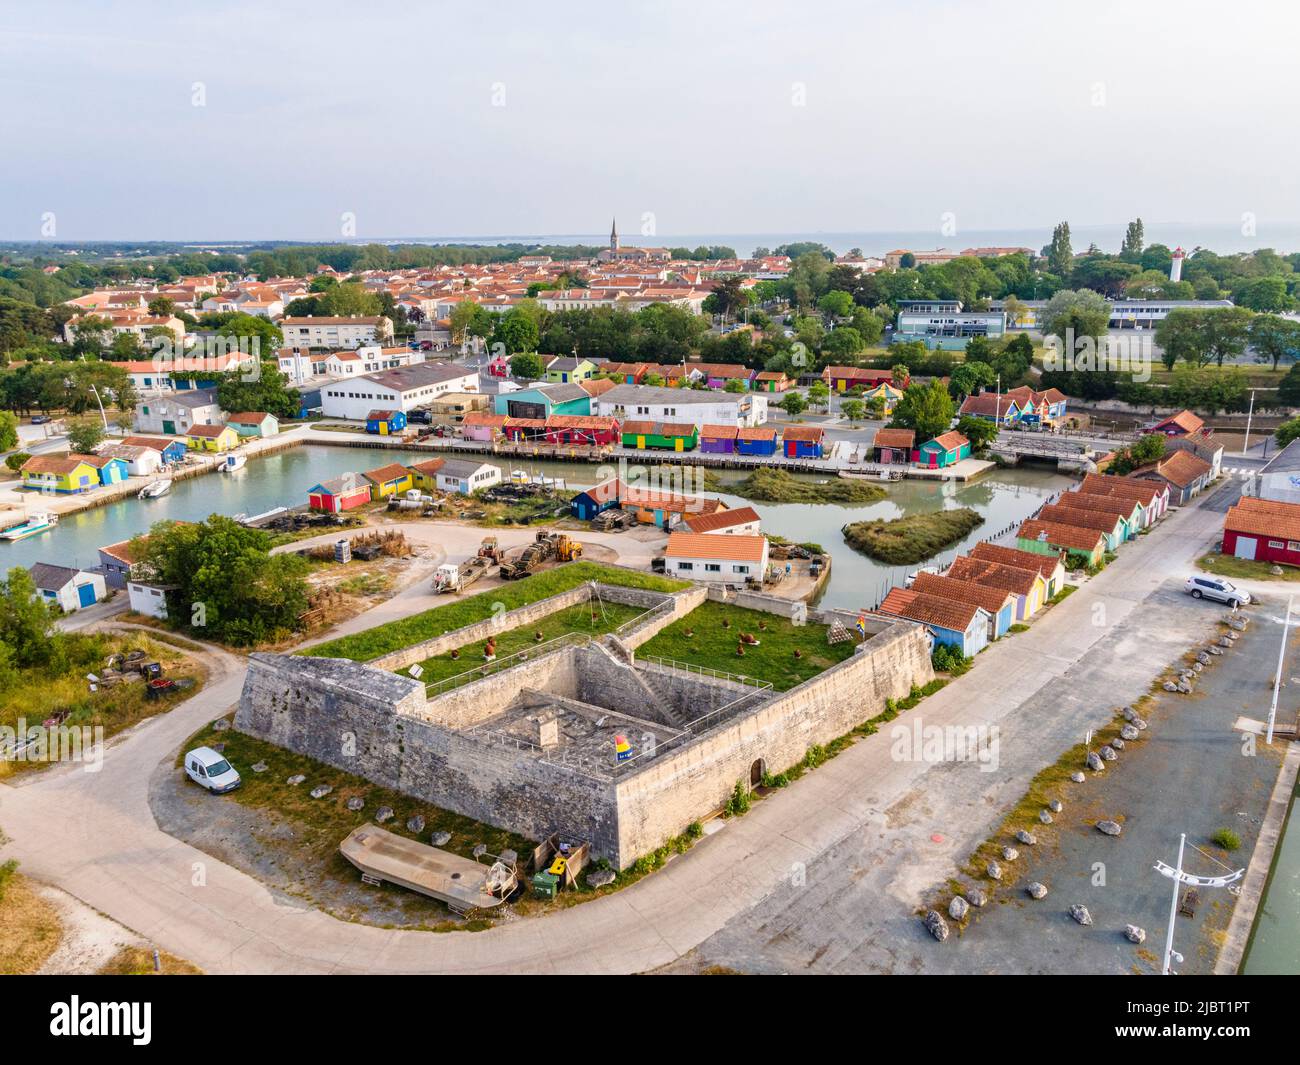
x=463, y=884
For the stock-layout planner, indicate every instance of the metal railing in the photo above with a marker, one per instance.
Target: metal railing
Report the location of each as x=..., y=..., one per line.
x=705, y=671
x=487, y=669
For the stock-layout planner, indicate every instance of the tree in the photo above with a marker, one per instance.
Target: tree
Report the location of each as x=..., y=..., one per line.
x=1288, y=389
x=162, y=306
x=836, y=304
x=1287, y=431
x=26, y=621
x=793, y=404
x=85, y=434
x=727, y=298
x=264, y=391
x=225, y=582
x=1274, y=339
x=734, y=386
x=1060, y=256
x=527, y=366
x=854, y=409
x=927, y=409
x=348, y=300
x=1072, y=314
x=1146, y=451
x=516, y=332
x=819, y=394
x=1134, y=238
x=1264, y=294
x=969, y=378
x=979, y=431
x=843, y=343
x=8, y=431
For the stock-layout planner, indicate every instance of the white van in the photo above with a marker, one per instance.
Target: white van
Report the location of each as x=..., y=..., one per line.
x=205, y=766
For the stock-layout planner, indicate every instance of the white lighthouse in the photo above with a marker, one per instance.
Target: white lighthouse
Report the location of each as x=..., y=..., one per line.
x=1176, y=265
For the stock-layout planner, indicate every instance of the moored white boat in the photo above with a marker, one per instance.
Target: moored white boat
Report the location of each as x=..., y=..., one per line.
x=157, y=488
x=233, y=462
x=36, y=523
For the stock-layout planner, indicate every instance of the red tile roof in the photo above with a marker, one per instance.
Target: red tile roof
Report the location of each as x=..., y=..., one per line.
x=1052, y=532
x=929, y=609
x=724, y=547
x=721, y=519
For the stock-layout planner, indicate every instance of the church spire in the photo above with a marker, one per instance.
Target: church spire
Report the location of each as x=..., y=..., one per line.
x=613, y=237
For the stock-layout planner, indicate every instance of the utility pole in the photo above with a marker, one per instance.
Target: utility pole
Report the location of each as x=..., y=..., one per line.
x=1179, y=877
x=1245, y=446
x=1277, y=680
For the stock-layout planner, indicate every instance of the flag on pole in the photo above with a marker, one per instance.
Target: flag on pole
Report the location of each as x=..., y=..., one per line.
x=622, y=749
x=862, y=625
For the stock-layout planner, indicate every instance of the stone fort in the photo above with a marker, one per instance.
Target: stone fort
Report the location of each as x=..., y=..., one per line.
x=529, y=744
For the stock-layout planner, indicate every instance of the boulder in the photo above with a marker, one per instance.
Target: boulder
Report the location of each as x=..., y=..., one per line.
x=936, y=925
x=1010, y=854
x=320, y=791
x=1109, y=828
x=1095, y=763
x=355, y=803
x=415, y=824
x=260, y=767
x=1129, y=713
x=1224, y=641
x=994, y=871
x=1134, y=934
x=1045, y=817
x=384, y=813
x=1203, y=658
x=1128, y=732
x=1056, y=806
x=1117, y=744
x=294, y=780
x=1184, y=688
x=977, y=896
x=439, y=839
x=220, y=725
x=1036, y=890
x=958, y=908
x=1027, y=838
x=1211, y=650
x=479, y=850
x=1081, y=914
x=1170, y=686
x=1077, y=777
x=1276, y=571
x=1107, y=753
x=599, y=878
x=1238, y=624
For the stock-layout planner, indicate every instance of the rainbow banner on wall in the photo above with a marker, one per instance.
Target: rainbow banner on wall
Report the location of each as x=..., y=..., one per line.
x=622, y=749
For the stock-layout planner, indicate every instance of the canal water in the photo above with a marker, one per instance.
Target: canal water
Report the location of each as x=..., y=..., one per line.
x=1275, y=940
x=1003, y=497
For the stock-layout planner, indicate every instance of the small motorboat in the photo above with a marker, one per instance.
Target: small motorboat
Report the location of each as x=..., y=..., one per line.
x=234, y=462
x=36, y=523
x=157, y=488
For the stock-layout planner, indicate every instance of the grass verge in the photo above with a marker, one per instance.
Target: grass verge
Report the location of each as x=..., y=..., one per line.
x=1244, y=569
x=394, y=635
x=30, y=930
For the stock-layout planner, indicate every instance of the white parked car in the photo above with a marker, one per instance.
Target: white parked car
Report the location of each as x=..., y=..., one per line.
x=205, y=766
x=1218, y=589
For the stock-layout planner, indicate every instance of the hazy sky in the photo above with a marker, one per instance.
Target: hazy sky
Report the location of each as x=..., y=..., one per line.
x=431, y=119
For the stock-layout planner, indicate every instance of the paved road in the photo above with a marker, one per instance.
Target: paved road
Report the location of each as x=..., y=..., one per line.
x=105, y=848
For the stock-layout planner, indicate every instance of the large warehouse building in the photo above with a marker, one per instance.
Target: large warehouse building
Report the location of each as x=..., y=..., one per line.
x=404, y=389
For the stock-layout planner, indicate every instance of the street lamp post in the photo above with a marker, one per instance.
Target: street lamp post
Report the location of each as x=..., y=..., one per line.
x=1179, y=877
x=1277, y=680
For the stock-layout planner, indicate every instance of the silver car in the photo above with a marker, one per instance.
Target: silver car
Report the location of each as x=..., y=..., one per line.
x=1218, y=589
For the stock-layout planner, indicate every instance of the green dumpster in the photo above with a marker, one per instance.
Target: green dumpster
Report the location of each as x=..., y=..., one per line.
x=545, y=884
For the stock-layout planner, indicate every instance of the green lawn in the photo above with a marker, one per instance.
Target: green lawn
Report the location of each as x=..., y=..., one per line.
x=714, y=645
x=574, y=619
x=393, y=636
x=1244, y=569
